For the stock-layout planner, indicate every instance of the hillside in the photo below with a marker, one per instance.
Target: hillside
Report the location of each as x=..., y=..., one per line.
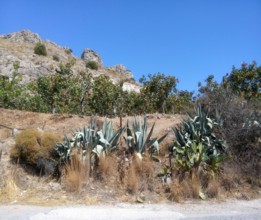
x=19, y=46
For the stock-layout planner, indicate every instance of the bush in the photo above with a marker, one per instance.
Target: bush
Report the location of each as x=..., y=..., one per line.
x=92, y=65
x=40, y=49
x=56, y=58
x=68, y=50
x=35, y=148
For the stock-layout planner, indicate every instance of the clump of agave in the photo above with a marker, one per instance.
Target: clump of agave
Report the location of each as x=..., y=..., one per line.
x=196, y=145
x=138, y=141
x=89, y=142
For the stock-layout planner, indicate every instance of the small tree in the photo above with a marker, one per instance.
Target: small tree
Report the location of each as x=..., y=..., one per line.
x=103, y=95
x=54, y=89
x=245, y=81
x=159, y=87
x=40, y=49
x=11, y=89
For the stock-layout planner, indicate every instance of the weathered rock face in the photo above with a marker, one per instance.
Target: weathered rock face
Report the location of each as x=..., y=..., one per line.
x=22, y=36
x=90, y=55
x=122, y=70
x=129, y=87
x=19, y=47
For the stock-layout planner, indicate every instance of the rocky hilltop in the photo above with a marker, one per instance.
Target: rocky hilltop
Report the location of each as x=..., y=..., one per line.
x=19, y=46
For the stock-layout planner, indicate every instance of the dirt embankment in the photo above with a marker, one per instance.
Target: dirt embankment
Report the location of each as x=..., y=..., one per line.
x=35, y=190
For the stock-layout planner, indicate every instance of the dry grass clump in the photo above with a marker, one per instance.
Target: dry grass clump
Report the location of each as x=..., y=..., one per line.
x=107, y=169
x=213, y=188
x=185, y=186
x=76, y=174
x=140, y=174
x=27, y=146
x=31, y=144
x=10, y=189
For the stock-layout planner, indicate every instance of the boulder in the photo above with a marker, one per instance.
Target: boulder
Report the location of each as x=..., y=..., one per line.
x=90, y=55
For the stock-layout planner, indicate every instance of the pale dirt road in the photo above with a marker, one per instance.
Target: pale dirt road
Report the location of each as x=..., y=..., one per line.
x=232, y=209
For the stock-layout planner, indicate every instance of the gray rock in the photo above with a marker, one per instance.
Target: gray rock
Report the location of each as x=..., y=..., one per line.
x=90, y=55
x=19, y=47
x=122, y=70
x=23, y=36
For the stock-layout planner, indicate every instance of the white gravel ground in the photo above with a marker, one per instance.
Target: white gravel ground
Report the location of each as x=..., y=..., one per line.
x=232, y=209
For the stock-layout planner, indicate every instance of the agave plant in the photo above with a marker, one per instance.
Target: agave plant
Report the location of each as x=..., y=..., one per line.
x=196, y=145
x=138, y=141
x=89, y=143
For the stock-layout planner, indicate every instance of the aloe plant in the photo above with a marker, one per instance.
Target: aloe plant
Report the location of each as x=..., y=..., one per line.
x=137, y=139
x=196, y=145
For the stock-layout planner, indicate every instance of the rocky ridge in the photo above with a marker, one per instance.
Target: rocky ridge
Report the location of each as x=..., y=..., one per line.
x=19, y=46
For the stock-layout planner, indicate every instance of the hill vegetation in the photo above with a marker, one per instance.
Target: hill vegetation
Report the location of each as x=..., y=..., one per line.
x=220, y=138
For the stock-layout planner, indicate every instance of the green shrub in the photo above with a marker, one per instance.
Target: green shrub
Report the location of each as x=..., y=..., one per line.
x=92, y=65
x=40, y=49
x=68, y=50
x=56, y=58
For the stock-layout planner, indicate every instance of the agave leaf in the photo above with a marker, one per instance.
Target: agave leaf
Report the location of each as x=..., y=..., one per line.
x=156, y=145
x=190, y=116
x=162, y=138
x=98, y=150
x=202, y=195
x=129, y=134
x=180, y=150
x=115, y=138
x=104, y=141
x=150, y=133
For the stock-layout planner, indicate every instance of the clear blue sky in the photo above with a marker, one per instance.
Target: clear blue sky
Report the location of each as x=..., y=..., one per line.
x=189, y=39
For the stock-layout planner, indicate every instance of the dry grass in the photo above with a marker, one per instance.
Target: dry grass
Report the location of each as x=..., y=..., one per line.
x=176, y=192
x=108, y=169
x=212, y=191
x=140, y=174
x=133, y=180
x=32, y=144
x=10, y=191
x=184, y=187
x=76, y=174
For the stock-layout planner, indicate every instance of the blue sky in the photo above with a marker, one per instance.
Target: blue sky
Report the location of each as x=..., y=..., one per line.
x=189, y=39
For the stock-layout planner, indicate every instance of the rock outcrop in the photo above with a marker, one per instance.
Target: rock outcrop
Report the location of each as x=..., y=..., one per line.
x=90, y=55
x=121, y=69
x=19, y=47
x=22, y=36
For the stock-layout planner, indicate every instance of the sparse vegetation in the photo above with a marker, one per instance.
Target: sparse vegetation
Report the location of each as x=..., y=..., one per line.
x=68, y=51
x=56, y=58
x=129, y=159
x=92, y=65
x=40, y=49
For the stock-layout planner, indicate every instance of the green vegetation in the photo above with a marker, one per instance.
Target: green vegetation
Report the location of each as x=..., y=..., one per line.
x=222, y=135
x=197, y=146
x=56, y=58
x=92, y=65
x=40, y=49
x=141, y=143
x=10, y=89
x=68, y=51
x=157, y=89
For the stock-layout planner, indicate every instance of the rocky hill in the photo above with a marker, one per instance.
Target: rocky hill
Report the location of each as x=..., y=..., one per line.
x=19, y=46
